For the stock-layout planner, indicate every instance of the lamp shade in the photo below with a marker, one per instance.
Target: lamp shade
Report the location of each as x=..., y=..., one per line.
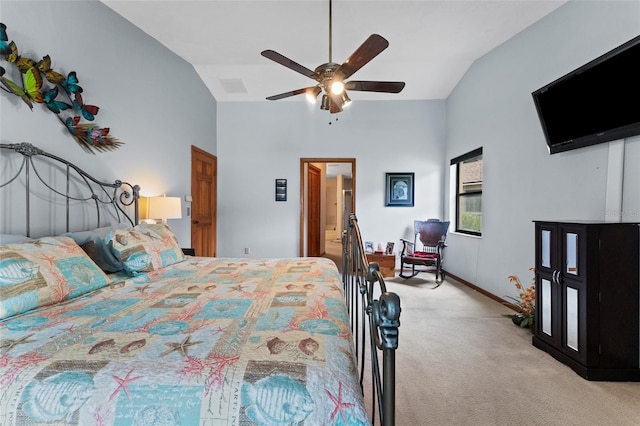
x=164, y=208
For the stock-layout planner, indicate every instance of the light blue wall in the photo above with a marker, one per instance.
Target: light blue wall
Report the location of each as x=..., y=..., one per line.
x=492, y=107
x=259, y=142
x=151, y=99
x=156, y=103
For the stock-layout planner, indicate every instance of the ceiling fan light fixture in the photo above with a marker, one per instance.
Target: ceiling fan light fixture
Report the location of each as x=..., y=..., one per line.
x=312, y=94
x=345, y=100
x=337, y=87
x=326, y=103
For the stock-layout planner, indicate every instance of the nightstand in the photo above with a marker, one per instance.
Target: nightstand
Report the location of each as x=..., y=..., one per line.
x=387, y=263
x=189, y=251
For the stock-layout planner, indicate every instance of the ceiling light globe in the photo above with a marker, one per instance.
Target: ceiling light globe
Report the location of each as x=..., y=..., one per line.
x=337, y=87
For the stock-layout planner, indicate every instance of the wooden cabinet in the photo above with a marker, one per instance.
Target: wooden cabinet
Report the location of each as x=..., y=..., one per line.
x=587, y=297
x=387, y=263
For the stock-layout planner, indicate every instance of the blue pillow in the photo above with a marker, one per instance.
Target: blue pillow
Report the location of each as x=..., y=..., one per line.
x=94, y=244
x=13, y=239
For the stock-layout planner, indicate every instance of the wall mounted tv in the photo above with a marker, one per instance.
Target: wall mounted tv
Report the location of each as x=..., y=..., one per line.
x=598, y=102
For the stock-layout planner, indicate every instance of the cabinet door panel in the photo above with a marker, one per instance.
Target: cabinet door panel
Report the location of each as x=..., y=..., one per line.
x=571, y=323
x=573, y=250
x=545, y=305
x=574, y=320
x=545, y=248
x=571, y=254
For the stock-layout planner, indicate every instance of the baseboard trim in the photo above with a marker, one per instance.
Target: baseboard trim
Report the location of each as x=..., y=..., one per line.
x=482, y=291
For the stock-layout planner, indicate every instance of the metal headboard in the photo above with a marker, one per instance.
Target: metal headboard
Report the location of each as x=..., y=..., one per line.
x=118, y=200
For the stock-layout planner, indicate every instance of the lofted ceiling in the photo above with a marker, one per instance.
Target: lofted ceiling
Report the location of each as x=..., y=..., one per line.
x=431, y=43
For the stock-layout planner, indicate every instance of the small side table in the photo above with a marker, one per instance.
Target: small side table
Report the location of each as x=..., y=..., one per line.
x=387, y=263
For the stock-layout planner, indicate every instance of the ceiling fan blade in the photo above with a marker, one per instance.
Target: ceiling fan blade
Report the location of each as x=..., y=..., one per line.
x=288, y=94
x=363, y=54
x=334, y=107
x=283, y=60
x=375, y=86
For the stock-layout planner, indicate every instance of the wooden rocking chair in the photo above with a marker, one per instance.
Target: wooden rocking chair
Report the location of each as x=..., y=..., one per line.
x=428, y=255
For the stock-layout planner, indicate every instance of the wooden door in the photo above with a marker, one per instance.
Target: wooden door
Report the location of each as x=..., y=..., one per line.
x=204, y=174
x=313, y=229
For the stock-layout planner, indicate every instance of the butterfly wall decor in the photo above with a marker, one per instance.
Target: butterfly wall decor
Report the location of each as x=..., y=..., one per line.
x=30, y=82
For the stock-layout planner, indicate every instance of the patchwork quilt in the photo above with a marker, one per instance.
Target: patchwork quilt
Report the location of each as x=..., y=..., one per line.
x=205, y=341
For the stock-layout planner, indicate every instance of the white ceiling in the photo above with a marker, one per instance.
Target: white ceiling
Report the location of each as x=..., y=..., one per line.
x=431, y=43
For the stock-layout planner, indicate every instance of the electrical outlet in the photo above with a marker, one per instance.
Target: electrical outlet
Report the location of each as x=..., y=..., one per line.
x=247, y=250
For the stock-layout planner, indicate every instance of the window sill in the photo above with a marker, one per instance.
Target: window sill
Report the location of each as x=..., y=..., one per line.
x=463, y=234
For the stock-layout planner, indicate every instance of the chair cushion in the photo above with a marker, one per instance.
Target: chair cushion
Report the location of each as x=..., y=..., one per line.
x=421, y=254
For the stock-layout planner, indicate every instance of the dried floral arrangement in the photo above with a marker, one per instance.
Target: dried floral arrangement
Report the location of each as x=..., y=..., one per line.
x=526, y=301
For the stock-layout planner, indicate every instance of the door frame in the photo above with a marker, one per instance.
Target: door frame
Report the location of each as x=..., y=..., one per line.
x=314, y=211
x=303, y=190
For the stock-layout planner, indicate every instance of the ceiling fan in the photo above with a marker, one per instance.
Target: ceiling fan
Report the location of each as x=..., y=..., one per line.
x=331, y=77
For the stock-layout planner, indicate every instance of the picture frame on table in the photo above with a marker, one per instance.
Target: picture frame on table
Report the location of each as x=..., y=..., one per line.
x=368, y=247
x=399, y=189
x=389, y=249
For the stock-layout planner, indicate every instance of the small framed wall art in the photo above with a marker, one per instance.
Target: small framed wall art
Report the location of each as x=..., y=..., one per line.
x=399, y=189
x=281, y=190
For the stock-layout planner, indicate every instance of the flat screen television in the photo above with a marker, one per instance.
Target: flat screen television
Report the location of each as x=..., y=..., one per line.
x=598, y=102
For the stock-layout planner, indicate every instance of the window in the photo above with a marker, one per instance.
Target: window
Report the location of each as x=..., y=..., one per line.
x=468, y=195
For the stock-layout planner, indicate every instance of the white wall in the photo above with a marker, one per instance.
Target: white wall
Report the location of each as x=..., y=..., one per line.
x=151, y=99
x=492, y=107
x=261, y=141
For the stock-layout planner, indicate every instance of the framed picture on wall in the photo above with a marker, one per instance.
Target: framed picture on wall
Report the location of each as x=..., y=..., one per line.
x=281, y=190
x=399, y=190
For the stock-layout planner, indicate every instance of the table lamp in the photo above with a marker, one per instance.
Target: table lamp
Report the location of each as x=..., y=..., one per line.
x=164, y=208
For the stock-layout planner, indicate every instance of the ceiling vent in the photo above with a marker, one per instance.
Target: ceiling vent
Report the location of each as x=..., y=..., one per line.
x=233, y=85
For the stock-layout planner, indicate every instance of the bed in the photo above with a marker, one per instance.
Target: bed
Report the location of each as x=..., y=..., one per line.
x=112, y=324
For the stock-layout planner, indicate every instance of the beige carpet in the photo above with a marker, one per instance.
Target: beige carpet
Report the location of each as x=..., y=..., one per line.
x=333, y=251
x=460, y=361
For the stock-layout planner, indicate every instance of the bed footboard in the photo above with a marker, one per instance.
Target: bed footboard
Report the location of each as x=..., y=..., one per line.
x=374, y=313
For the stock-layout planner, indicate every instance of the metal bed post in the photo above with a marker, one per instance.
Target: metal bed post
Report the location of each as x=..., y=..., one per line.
x=365, y=280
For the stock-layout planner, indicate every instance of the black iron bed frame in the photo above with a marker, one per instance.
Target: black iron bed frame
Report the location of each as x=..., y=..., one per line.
x=362, y=281
x=116, y=197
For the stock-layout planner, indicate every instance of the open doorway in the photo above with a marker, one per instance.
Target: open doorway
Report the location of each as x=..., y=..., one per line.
x=327, y=197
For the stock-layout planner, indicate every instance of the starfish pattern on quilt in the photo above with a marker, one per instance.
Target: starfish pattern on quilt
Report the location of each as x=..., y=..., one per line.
x=122, y=384
x=182, y=347
x=340, y=404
